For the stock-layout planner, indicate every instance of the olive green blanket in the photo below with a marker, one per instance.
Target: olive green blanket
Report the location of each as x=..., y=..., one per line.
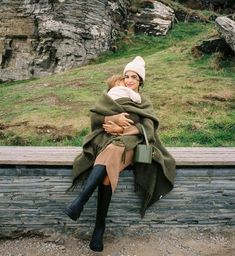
x=152, y=181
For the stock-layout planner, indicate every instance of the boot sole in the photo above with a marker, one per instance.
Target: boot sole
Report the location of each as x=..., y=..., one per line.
x=96, y=243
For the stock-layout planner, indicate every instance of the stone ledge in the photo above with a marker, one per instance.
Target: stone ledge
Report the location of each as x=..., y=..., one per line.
x=63, y=156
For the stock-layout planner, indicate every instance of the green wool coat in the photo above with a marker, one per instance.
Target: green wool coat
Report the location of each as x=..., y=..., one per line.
x=152, y=181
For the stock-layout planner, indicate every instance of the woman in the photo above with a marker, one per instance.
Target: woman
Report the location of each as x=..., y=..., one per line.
x=109, y=149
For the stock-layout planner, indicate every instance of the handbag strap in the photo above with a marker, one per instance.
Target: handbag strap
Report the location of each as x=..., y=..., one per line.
x=145, y=135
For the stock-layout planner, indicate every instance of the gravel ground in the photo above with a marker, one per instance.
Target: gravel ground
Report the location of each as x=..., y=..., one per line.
x=177, y=242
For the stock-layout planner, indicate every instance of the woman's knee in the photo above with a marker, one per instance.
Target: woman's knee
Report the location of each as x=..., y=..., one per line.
x=106, y=181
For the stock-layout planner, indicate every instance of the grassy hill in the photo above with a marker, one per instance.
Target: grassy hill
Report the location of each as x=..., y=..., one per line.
x=192, y=96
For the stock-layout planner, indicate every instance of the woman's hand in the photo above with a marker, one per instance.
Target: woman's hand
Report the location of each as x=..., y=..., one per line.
x=113, y=128
x=120, y=119
x=123, y=121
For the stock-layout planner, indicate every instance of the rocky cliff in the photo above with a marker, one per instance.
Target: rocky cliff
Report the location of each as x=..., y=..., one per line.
x=39, y=37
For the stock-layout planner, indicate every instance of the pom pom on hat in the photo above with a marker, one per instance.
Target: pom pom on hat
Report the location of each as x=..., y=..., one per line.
x=137, y=65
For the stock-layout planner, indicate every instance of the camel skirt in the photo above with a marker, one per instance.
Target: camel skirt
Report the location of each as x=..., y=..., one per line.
x=112, y=158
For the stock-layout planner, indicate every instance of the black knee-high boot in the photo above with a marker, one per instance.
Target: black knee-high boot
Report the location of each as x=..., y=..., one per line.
x=95, y=178
x=104, y=198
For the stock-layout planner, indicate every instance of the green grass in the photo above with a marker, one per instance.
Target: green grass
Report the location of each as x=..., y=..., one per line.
x=147, y=45
x=193, y=97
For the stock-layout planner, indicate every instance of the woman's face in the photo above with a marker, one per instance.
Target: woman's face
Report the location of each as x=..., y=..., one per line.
x=132, y=80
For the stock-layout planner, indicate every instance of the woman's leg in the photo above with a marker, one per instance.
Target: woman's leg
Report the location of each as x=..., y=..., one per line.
x=106, y=181
x=104, y=198
x=112, y=158
x=95, y=178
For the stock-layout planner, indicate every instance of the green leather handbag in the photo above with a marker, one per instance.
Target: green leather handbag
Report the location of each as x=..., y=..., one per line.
x=143, y=152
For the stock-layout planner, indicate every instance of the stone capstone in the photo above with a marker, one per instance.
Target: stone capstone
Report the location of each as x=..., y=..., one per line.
x=153, y=19
x=226, y=28
x=42, y=37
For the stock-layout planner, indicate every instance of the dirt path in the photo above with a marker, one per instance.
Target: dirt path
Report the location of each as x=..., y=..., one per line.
x=177, y=242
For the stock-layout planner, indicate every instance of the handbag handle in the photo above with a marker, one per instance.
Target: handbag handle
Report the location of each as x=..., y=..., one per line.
x=145, y=135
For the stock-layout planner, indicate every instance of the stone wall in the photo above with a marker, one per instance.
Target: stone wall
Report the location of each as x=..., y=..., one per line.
x=40, y=37
x=32, y=199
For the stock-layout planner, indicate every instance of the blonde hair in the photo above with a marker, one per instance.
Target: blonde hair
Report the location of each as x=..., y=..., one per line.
x=111, y=81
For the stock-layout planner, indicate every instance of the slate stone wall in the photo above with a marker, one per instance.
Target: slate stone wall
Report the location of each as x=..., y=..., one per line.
x=32, y=199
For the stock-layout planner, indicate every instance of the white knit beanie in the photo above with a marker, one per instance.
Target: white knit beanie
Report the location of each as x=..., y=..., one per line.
x=137, y=65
